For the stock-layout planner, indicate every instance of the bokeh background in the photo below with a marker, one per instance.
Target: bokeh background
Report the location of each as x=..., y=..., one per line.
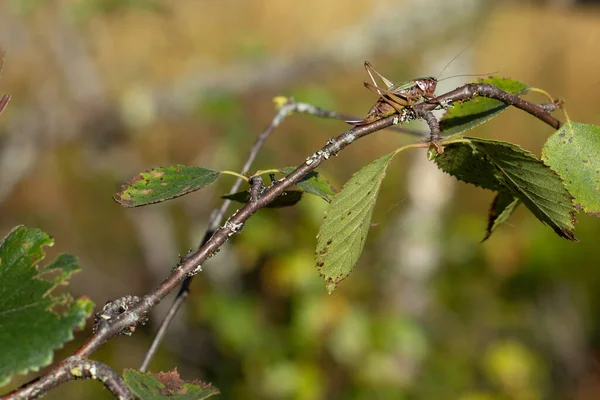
x=104, y=89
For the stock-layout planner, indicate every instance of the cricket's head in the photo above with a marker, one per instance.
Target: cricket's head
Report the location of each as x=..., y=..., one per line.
x=427, y=84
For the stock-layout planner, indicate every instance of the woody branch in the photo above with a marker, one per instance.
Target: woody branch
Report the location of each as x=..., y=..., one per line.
x=190, y=265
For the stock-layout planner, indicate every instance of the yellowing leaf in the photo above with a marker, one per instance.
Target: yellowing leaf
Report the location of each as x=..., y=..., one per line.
x=166, y=386
x=164, y=183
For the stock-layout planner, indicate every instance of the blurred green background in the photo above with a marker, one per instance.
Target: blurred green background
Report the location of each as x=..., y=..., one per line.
x=103, y=89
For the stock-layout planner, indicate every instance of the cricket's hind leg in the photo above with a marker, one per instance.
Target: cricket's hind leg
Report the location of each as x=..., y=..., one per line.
x=390, y=97
x=434, y=99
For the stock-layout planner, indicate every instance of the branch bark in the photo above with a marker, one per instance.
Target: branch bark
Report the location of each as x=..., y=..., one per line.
x=473, y=90
x=73, y=368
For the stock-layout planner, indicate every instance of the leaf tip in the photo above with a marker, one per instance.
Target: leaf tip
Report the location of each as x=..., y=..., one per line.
x=119, y=198
x=330, y=285
x=567, y=234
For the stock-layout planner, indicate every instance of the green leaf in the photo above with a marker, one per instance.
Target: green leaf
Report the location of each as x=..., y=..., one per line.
x=313, y=183
x=343, y=234
x=166, y=385
x=287, y=198
x=503, y=206
x=33, y=323
x=506, y=167
x=469, y=114
x=466, y=164
x=164, y=183
x=574, y=153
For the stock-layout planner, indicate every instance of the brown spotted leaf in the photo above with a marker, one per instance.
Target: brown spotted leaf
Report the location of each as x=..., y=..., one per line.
x=343, y=234
x=167, y=386
x=164, y=183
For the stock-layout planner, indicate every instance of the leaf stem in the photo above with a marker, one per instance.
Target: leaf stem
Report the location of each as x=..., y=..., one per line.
x=411, y=146
x=267, y=171
x=564, y=110
x=236, y=174
x=542, y=91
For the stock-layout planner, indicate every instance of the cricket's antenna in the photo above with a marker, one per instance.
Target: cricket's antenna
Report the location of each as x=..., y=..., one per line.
x=454, y=58
x=456, y=76
x=459, y=54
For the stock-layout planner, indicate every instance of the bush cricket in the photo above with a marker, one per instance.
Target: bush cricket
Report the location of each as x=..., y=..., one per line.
x=395, y=96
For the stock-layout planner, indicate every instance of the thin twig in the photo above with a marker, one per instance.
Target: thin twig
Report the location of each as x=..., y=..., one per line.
x=162, y=330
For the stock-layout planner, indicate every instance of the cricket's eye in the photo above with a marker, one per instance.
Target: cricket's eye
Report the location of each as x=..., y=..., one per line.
x=429, y=85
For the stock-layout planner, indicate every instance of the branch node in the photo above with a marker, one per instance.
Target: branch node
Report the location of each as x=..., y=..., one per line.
x=333, y=144
x=184, y=258
x=91, y=369
x=323, y=153
x=195, y=271
x=113, y=309
x=257, y=189
x=312, y=158
x=233, y=227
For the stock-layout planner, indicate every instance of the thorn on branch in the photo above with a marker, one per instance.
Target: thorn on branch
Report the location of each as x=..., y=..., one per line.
x=185, y=257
